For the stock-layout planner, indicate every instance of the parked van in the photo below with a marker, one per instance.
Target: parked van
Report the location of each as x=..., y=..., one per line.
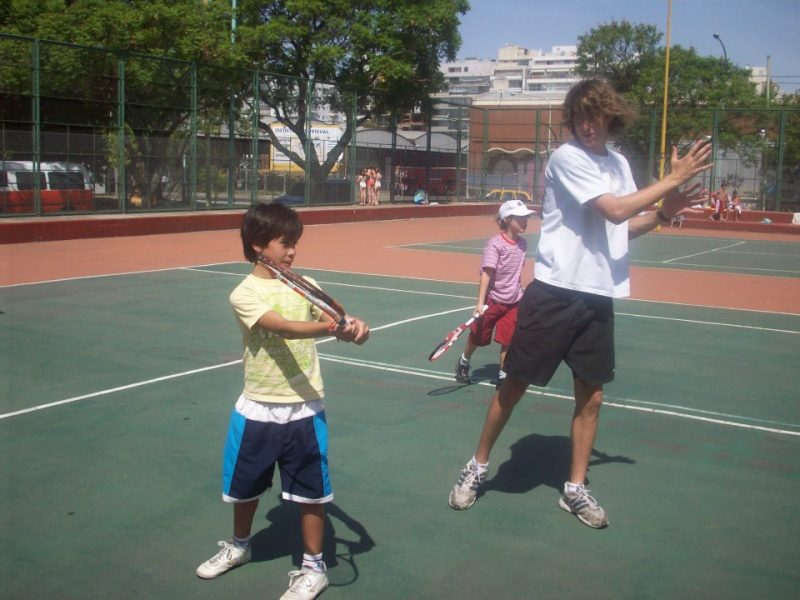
x=64, y=186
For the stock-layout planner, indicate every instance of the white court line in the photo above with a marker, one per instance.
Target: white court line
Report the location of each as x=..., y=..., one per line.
x=451, y=247
x=626, y=314
x=352, y=285
x=384, y=275
x=642, y=405
x=458, y=296
x=369, y=287
x=703, y=252
x=669, y=410
x=726, y=269
x=118, y=274
x=711, y=323
x=781, y=254
x=708, y=306
x=366, y=287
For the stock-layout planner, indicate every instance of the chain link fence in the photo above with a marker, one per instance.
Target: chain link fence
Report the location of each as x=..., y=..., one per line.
x=91, y=130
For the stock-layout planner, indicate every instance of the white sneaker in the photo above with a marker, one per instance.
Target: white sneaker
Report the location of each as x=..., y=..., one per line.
x=465, y=491
x=305, y=584
x=227, y=558
x=579, y=501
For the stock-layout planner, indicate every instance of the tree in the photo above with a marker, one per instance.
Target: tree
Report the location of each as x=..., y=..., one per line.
x=79, y=85
x=631, y=59
x=616, y=51
x=698, y=86
x=378, y=56
x=790, y=197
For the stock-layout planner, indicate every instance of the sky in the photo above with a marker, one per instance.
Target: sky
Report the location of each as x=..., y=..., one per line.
x=750, y=29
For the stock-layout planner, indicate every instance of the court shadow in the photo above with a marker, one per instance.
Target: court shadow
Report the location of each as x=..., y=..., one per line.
x=448, y=389
x=541, y=460
x=486, y=373
x=482, y=374
x=282, y=538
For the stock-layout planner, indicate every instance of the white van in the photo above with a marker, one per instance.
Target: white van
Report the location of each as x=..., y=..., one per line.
x=63, y=186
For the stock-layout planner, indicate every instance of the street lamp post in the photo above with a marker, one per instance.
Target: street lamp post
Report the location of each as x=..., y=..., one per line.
x=724, y=52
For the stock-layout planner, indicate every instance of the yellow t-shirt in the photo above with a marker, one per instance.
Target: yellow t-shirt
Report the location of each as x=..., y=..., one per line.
x=276, y=369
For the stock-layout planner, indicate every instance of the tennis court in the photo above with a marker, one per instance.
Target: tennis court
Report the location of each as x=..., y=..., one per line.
x=121, y=380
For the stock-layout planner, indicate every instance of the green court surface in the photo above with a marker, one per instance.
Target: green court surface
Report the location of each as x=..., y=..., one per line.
x=754, y=257
x=115, y=407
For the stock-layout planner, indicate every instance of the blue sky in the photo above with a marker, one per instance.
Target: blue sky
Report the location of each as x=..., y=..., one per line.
x=750, y=29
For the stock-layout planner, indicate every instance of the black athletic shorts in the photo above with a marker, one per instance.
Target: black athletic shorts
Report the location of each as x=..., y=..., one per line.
x=555, y=324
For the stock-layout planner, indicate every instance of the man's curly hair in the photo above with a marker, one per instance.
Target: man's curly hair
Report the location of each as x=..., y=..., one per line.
x=596, y=98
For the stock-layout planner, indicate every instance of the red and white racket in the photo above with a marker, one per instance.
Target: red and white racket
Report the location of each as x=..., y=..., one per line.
x=308, y=291
x=451, y=337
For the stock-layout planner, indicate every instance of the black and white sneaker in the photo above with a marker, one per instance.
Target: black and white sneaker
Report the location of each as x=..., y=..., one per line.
x=462, y=372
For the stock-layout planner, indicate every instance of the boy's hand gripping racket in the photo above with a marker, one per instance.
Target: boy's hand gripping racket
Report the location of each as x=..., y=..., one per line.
x=310, y=292
x=451, y=337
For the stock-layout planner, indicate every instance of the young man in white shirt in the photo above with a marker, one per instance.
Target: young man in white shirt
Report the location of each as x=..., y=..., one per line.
x=591, y=209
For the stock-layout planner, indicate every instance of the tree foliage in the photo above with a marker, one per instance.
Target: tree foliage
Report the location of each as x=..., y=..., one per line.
x=378, y=56
x=79, y=85
x=630, y=57
x=382, y=53
x=616, y=51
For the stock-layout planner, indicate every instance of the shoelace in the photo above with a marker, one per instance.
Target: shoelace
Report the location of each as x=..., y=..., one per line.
x=298, y=580
x=223, y=555
x=584, y=499
x=470, y=476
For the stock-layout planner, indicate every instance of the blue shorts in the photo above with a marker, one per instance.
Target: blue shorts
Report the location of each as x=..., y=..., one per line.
x=300, y=449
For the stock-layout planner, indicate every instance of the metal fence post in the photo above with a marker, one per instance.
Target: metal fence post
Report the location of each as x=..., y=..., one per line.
x=390, y=176
x=37, y=126
x=536, y=154
x=307, y=148
x=353, y=153
x=193, y=142
x=779, y=168
x=122, y=191
x=714, y=145
x=256, y=138
x=484, y=151
x=458, y=155
x=231, y=148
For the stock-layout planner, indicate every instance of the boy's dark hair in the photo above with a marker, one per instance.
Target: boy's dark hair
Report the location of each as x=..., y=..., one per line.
x=596, y=98
x=263, y=223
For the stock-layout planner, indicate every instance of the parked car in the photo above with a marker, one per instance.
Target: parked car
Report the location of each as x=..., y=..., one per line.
x=335, y=191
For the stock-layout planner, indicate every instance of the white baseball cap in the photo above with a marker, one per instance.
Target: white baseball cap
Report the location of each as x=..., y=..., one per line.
x=514, y=208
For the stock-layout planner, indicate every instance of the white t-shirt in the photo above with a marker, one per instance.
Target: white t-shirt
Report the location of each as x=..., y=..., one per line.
x=579, y=249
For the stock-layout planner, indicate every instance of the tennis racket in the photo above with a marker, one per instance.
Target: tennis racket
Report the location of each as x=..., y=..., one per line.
x=308, y=291
x=451, y=337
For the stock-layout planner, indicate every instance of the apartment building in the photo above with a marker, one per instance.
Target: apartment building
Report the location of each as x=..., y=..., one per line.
x=549, y=73
x=468, y=77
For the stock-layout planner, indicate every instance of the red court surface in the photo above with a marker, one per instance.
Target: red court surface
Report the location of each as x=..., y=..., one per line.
x=377, y=247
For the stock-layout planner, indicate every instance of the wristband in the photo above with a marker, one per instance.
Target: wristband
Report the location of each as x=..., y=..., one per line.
x=333, y=328
x=661, y=216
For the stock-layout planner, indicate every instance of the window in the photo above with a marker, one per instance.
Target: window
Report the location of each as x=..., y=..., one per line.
x=3, y=179
x=25, y=180
x=66, y=180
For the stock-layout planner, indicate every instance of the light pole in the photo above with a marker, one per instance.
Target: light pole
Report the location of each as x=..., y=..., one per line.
x=724, y=52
